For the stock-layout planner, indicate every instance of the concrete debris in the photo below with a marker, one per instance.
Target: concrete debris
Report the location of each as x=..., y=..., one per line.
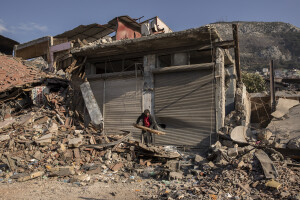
x=283, y=107
x=266, y=164
x=75, y=142
x=294, y=143
x=286, y=131
x=238, y=134
x=4, y=137
x=49, y=140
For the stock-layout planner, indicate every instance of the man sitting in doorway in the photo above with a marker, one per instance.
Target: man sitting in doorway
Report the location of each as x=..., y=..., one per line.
x=148, y=121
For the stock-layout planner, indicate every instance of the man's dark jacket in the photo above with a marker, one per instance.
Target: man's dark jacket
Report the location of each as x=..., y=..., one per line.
x=151, y=120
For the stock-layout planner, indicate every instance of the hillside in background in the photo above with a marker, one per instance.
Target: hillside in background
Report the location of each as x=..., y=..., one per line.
x=262, y=41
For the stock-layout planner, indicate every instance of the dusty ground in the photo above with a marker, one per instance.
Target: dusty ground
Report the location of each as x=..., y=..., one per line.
x=46, y=189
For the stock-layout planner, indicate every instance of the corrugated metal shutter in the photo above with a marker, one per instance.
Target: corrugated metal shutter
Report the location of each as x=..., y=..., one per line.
x=184, y=102
x=123, y=104
x=97, y=87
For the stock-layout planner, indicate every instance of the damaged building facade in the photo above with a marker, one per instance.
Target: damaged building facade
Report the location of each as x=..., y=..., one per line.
x=186, y=79
x=180, y=77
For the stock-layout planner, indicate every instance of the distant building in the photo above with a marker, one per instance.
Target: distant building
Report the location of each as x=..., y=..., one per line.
x=7, y=45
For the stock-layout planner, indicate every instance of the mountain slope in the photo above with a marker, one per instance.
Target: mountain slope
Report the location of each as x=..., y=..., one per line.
x=262, y=41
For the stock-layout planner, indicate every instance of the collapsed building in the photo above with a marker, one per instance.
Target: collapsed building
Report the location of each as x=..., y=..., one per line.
x=189, y=82
x=186, y=79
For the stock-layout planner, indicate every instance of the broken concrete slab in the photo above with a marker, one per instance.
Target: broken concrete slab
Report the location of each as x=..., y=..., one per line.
x=117, y=167
x=232, y=152
x=198, y=158
x=175, y=175
x=75, y=142
x=38, y=155
x=285, y=129
x=44, y=140
x=62, y=171
x=53, y=128
x=80, y=178
x=91, y=103
x=239, y=134
x=283, y=106
x=266, y=164
x=6, y=123
x=4, y=137
x=294, y=143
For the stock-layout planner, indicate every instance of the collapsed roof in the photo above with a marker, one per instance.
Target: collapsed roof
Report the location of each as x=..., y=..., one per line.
x=13, y=73
x=201, y=38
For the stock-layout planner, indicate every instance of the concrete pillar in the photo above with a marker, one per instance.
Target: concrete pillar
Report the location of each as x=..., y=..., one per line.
x=220, y=89
x=231, y=87
x=148, y=89
x=180, y=59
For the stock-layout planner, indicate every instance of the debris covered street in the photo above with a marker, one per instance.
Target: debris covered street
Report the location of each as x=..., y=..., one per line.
x=69, y=103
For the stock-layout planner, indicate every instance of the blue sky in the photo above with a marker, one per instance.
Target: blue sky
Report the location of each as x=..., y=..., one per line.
x=25, y=20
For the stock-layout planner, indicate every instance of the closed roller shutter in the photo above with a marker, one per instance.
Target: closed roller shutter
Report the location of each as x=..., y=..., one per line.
x=123, y=104
x=97, y=87
x=184, y=102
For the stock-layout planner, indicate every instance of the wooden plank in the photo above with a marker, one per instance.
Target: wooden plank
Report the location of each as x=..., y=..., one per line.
x=149, y=129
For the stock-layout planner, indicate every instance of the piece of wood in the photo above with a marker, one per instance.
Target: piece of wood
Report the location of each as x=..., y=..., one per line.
x=243, y=187
x=149, y=129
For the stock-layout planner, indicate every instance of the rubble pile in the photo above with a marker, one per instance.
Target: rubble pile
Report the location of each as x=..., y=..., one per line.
x=48, y=141
x=230, y=171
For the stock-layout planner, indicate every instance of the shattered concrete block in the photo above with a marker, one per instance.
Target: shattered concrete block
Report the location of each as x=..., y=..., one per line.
x=117, y=167
x=68, y=154
x=173, y=165
x=239, y=134
x=283, y=106
x=227, y=143
x=108, y=155
x=241, y=164
x=232, y=152
x=175, y=175
x=75, y=142
x=4, y=137
x=62, y=147
x=44, y=140
x=294, y=143
x=114, y=156
x=62, y=171
x=53, y=129
x=80, y=178
x=266, y=164
x=198, y=158
x=38, y=155
x=41, y=120
x=208, y=165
